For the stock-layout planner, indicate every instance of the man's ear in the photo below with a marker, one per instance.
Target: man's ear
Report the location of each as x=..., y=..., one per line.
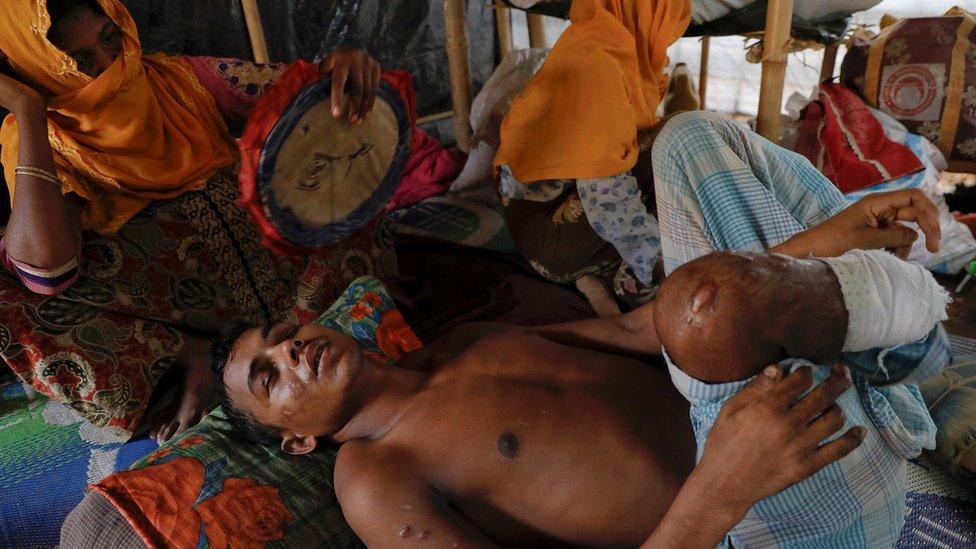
x=297, y=444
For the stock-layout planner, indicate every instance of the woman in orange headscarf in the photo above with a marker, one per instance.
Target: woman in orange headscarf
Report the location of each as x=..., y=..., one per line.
x=574, y=133
x=98, y=136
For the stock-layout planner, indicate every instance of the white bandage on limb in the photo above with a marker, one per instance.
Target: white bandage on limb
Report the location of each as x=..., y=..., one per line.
x=889, y=302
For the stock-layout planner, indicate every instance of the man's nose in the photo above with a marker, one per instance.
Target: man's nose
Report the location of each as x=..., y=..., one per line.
x=290, y=351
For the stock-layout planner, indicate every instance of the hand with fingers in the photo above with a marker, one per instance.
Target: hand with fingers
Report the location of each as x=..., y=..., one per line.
x=767, y=438
x=15, y=96
x=355, y=82
x=874, y=222
x=198, y=392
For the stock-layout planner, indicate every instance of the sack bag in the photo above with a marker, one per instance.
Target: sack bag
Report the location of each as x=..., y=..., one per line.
x=922, y=71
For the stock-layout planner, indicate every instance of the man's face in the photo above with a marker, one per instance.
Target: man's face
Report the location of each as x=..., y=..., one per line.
x=300, y=379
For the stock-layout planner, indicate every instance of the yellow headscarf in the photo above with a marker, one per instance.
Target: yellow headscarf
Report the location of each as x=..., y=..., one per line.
x=144, y=129
x=603, y=81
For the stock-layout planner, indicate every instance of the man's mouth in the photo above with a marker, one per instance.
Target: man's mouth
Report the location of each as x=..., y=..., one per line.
x=320, y=351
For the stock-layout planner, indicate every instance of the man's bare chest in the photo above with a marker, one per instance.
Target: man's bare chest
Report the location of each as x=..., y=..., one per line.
x=534, y=448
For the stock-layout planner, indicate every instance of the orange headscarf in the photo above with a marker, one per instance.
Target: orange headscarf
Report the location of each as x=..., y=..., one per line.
x=603, y=81
x=144, y=129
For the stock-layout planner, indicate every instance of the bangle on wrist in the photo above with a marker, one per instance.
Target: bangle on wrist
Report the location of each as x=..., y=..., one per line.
x=38, y=173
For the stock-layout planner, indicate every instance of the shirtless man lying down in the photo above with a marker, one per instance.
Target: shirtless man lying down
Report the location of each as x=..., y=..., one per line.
x=502, y=436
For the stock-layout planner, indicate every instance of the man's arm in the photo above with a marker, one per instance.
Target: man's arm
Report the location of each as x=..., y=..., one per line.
x=630, y=334
x=870, y=223
x=763, y=442
x=387, y=501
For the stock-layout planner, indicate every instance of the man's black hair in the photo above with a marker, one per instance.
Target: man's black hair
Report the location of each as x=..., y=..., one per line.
x=244, y=424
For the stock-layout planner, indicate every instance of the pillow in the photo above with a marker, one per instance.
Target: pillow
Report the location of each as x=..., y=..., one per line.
x=951, y=398
x=209, y=488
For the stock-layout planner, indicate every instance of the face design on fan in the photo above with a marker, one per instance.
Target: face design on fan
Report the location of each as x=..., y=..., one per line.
x=325, y=169
x=312, y=181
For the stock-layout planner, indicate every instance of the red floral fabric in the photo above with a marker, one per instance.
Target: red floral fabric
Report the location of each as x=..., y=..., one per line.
x=185, y=266
x=164, y=501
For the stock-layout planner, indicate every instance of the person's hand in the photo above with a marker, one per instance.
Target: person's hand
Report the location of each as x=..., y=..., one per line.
x=15, y=96
x=765, y=440
x=872, y=223
x=355, y=81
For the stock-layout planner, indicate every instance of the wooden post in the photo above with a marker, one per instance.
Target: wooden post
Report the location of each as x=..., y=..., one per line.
x=703, y=71
x=503, y=30
x=255, y=29
x=537, y=30
x=779, y=18
x=455, y=24
x=829, y=60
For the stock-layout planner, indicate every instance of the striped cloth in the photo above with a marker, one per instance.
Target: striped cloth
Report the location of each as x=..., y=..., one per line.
x=721, y=187
x=858, y=501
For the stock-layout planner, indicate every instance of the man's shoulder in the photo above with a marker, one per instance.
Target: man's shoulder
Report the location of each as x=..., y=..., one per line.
x=363, y=462
x=369, y=476
x=362, y=454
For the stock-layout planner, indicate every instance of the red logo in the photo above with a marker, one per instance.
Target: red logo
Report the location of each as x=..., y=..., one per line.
x=909, y=91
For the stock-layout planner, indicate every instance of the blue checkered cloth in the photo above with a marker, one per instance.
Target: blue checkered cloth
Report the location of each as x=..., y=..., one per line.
x=721, y=187
x=858, y=501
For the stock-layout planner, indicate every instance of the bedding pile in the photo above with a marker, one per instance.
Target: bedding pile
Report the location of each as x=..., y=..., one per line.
x=864, y=150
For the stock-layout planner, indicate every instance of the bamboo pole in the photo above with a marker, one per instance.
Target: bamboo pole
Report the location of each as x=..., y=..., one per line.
x=503, y=29
x=255, y=30
x=779, y=17
x=537, y=30
x=436, y=117
x=829, y=60
x=455, y=24
x=703, y=71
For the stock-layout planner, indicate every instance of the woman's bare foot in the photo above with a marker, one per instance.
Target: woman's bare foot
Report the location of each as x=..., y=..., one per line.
x=197, y=395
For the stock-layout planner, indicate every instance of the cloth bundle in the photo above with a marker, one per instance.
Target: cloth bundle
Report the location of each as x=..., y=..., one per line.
x=840, y=136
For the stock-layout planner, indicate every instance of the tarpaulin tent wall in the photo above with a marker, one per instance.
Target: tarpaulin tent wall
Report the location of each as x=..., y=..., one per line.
x=402, y=34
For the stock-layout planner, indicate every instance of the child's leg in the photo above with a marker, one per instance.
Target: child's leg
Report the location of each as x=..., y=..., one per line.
x=616, y=211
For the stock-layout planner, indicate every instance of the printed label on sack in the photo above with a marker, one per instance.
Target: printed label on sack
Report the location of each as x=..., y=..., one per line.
x=913, y=92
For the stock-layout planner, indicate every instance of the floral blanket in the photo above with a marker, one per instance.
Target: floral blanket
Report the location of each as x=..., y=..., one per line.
x=208, y=488
x=185, y=266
